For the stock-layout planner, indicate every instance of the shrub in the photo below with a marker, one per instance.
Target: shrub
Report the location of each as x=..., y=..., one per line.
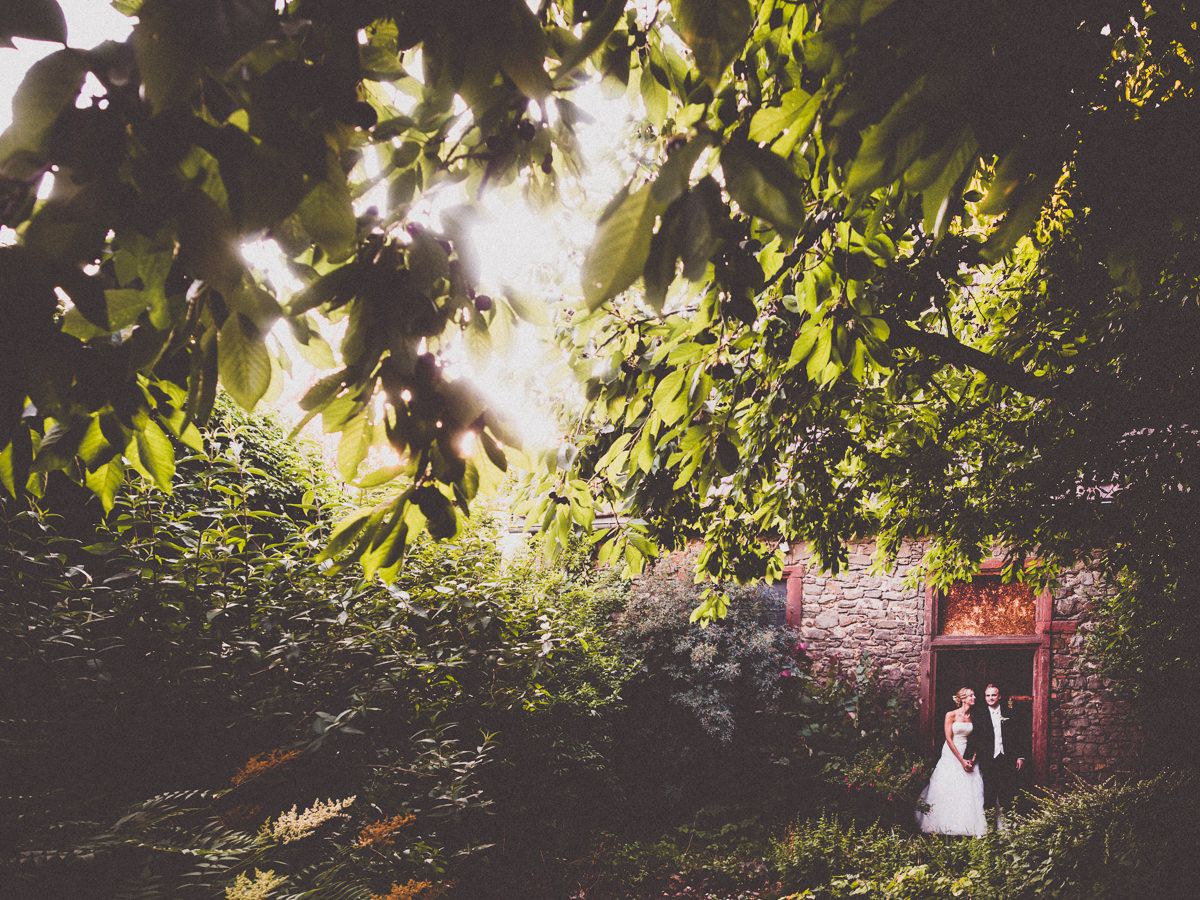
x=1115, y=839
x=718, y=679
x=907, y=883
x=712, y=857
x=844, y=712
x=813, y=852
x=1109, y=840
x=880, y=783
x=200, y=642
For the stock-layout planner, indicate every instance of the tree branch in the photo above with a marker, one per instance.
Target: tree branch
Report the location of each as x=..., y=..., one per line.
x=959, y=354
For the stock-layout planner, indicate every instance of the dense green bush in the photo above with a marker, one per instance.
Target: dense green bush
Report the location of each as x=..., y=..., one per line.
x=722, y=677
x=714, y=855
x=195, y=640
x=482, y=726
x=509, y=709
x=710, y=713
x=881, y=783
x=1117, y=839
x=811, y=853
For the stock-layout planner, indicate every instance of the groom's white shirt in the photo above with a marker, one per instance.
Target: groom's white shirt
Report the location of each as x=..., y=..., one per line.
x=996, y=719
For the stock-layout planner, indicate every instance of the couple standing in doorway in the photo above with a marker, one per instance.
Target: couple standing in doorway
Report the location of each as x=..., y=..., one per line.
x=977, y=771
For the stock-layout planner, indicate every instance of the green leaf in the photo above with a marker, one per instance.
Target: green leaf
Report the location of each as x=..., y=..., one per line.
x=703, y=214
x=891, y=145
x=38, y=20
x=60, y=446
x=388, y=543
x=327, y=215
x=170, y=70
x=595, y=36
x=523, y=52
x=438, y=511
x=352, y=448
x=669, y=401
x=323, y=391
x=713, y=605
x=256, y=304
x=190, y=437
x=105, y=481
x=877, y=328
x=764, y=185
x=803, y=345
x=344, y=533
x=243, y=361
x=335, y=288
x=665, y=249
x=49, y=87
x=156, y=453
x=936, y=196
x=728, y=455
x=208, y=243
x=1018, y=221
x=125, y=306
x=655, y=99
x=788, y=123
x=202, y=381
x=674, y=176
x=820, y=355
x=77, y=326
x=15, y=462
x=70, y=230
x=621, y=246
x=715, y=30
x=380, y=477
x=493, y=451
x=94, y=449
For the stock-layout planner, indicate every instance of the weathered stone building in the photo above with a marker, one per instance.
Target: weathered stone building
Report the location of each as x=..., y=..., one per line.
x=927, y=643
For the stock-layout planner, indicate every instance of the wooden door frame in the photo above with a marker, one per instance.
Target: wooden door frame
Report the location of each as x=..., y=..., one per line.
x=1039, y=642
x=793, y=577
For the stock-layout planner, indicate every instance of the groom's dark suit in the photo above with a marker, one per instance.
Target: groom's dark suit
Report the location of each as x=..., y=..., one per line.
x=999, y=772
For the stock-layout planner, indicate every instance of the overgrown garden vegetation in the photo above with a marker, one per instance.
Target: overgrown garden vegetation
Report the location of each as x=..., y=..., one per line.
x=204, y=712
x=910, y=269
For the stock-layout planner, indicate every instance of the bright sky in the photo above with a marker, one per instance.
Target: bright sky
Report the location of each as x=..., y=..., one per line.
x=532, y=255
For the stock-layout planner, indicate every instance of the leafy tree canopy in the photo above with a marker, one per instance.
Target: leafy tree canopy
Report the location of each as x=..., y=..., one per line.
x=941, y=260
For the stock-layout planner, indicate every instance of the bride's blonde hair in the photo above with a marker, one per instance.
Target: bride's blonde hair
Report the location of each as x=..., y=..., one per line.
x=960, y=694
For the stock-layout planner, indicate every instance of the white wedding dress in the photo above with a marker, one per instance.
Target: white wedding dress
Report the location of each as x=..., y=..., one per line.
x=954, y=796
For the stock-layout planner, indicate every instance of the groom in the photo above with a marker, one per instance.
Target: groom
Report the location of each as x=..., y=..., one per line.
x=1000, y=752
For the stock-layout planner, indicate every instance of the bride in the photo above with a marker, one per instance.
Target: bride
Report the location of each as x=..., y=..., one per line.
x=955, y=791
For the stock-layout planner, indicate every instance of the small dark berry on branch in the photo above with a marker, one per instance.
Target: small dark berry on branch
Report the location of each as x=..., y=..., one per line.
x=364, y=115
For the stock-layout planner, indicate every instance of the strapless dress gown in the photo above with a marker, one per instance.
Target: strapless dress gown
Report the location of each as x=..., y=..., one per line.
x=954, y=796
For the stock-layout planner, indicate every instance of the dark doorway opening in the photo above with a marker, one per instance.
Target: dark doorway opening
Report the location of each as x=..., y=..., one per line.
x=1011, y=668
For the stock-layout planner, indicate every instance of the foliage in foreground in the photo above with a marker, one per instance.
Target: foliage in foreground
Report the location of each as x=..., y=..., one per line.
x=474, y=722
x=929, y=257
x=1115, y=839
x=942, y=286
x=354, y=737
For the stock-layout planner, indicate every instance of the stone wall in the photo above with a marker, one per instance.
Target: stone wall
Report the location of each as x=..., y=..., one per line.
x=1093, y=730
x=855, y=612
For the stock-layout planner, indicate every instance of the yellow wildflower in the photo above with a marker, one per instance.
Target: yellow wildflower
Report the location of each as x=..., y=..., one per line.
x=294, y=825
x=257, y=888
